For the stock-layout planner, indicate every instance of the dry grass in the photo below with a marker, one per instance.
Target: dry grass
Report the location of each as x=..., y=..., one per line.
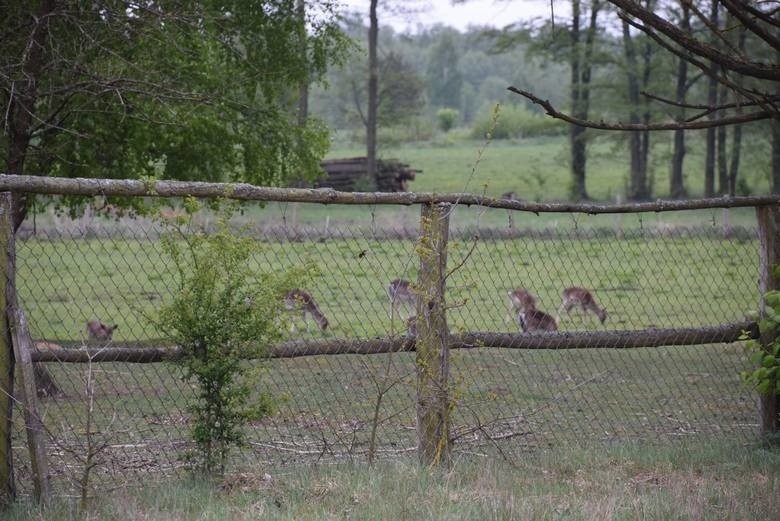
x=714, y=481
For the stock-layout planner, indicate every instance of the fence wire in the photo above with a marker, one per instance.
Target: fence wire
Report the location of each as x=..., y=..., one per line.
x=640, y=274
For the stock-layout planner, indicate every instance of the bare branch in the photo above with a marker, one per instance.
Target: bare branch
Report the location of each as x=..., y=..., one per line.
x=738, y=11
x=602, y=125
x=747, y=68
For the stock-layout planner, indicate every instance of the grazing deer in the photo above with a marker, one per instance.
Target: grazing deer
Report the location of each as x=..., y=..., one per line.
x=298, y=299
x=522, y=300
x=401, y=292
x=97, y=330
x=573, y=297
x=536, y=320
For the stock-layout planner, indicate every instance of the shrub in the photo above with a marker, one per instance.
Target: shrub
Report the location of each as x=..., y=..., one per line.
x=223, y=311
x=446, y=118
x=516, y=121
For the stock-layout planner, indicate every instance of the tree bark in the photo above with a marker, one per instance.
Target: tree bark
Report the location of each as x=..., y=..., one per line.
x=21, y=104
x=373, y=94
x=769, y=259
x=581, y=70
x=677, y=188
x=637, y=189
x=736, y=143
x=303, y=89
x=7, y=488
x=712, y=100
x=576, y=133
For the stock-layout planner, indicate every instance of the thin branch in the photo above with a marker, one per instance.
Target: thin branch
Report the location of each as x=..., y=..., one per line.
x=738, y=11
x=602, y=125
x=747, y=68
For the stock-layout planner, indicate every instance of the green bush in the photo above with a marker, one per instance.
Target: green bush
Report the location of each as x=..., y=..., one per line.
x=765, y=375
x=516, y=121
x=446, y=118
x=224, y=310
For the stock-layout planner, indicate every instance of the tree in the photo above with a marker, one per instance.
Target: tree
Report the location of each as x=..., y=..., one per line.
x=373, y=94
x=191, y=90
x=581, y=63
x=751, y=75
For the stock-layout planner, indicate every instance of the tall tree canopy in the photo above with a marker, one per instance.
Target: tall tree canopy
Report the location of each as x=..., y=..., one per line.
x=184, y=90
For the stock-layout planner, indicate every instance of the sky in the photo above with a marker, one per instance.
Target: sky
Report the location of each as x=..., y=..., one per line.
x=496, y=13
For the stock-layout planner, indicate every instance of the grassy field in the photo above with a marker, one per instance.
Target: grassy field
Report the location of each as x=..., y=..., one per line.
x=649, y=271
x=535, y=169
x=530, y=400
x=686, y=482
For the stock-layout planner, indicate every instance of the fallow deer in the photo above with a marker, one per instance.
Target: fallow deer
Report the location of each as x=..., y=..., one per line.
x=573, y=297
x=98, y=331
x=400, y=292
x=522, y=300
x=536, y=320
x=300, y=300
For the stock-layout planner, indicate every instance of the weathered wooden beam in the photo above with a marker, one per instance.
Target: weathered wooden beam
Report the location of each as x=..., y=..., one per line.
x=141, y=353
x=769, y=261
x=247, y=192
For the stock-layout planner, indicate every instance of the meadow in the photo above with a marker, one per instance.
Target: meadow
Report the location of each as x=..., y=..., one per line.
x=690, y=481
x=511, y=407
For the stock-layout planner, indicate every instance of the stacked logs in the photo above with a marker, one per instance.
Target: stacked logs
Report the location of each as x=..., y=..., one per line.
x=350, y=175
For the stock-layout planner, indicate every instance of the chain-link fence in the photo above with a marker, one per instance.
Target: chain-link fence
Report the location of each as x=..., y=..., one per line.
x=674, y=275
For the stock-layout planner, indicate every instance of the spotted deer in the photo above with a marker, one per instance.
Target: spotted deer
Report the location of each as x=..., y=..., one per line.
x=573, y=297
x=401, y=293
x=536, y=320
x=98, y=331
x=522, y=300
x=300, y=300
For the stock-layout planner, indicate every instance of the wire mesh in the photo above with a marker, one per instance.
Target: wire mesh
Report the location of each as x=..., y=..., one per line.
x=644, y=273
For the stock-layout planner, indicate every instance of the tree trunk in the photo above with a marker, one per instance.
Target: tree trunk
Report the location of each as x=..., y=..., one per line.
x=576, y=134
x=637, y=189
x=723, y=167
x=581, y=67
x=303, y=89
x=677, y=188
x=736, y=143
x=712, y=100
x=373, y=94
x=21, y=107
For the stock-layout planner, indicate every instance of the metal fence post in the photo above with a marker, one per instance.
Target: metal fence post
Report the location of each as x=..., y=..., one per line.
x=7, y=489
x=433, y=404
x=769, y=259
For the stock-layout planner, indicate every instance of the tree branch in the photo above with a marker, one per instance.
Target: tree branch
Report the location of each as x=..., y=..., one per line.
x=747, y=68
x=635, y=127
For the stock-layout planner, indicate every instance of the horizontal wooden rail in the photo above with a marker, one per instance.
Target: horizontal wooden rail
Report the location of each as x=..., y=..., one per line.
x=247, y=192
x=724, y=333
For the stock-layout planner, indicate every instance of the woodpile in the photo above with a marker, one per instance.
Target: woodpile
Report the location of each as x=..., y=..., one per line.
x=350, y=175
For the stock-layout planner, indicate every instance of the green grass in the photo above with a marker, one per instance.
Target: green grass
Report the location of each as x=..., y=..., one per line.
x=685, y=481
x=530, y=399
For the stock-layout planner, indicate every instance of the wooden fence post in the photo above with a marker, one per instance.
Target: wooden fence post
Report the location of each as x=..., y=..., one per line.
x=22, y=347
x=433, y=404
x=7, y=489
x=769, y=258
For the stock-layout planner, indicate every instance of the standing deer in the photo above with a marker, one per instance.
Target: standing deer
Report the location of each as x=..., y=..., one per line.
x=573, y=297
x=98, y=331
x=300, y=300
x=400, y=292
x=522, y=300
x=536, y=320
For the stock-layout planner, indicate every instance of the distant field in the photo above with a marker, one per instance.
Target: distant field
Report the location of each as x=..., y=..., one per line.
x=535, y=169
x=644, y=282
